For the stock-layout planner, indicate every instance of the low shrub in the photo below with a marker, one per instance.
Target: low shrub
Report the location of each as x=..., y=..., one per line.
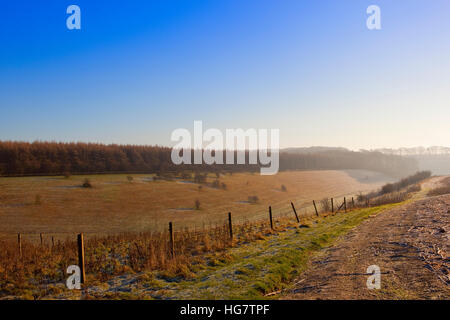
x=87, y=183
x=37, y=200
x=413, y=179
x=216, y=184
x=394, y=197
x=253, y=199
x=325, y=204
x=197, y=204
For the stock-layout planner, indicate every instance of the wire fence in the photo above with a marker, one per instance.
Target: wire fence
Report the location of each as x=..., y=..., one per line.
x=303, y=208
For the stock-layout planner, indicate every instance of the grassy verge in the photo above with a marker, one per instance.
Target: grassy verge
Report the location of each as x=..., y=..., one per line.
x=246, y=272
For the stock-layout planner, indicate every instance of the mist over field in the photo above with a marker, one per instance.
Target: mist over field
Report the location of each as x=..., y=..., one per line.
x=436, y=159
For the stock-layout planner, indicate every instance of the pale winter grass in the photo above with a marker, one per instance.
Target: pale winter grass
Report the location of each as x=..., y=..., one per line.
x=443, y=188
x=114, y=205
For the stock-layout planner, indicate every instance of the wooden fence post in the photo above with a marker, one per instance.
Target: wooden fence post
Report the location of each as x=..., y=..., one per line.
x=230, y=225
x=19, y=242
x=340, y=207
x=81, y=257
x=172, y=245
x=353, y=203
x=295, y=211
x=270, y=216
x=332, y=205
x=315, y=208
x=53, y=241
x=345, y=205
x=42, y=240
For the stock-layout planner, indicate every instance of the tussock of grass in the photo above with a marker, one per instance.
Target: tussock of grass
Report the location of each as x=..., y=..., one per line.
x=443, y=189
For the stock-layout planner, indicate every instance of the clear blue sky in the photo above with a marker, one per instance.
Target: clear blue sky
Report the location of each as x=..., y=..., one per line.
x=137, y=70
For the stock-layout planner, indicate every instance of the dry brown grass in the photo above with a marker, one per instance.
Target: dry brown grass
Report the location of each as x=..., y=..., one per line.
x=114, y=205
x=444, y=188
x=125, y=221
x=394, y=197
x=36, y=271
x=40, y=269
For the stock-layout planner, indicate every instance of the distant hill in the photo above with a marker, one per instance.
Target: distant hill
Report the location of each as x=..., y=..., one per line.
x=309, y=150
x=436, y=159
x=438, y=164
x=329, y=158
x=436, y=150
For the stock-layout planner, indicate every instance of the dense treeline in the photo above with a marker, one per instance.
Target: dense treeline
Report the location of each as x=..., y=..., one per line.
x=22, y=158
x=52, y=158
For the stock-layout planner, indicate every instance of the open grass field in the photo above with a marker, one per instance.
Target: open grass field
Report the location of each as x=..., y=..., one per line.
x=60, y=206
x=259, y=260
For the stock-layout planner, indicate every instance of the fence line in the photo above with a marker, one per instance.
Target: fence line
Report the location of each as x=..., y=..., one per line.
x=282, y=213
x=255, y=218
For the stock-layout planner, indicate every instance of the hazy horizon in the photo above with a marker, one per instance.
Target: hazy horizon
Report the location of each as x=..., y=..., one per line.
x=281, y=148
